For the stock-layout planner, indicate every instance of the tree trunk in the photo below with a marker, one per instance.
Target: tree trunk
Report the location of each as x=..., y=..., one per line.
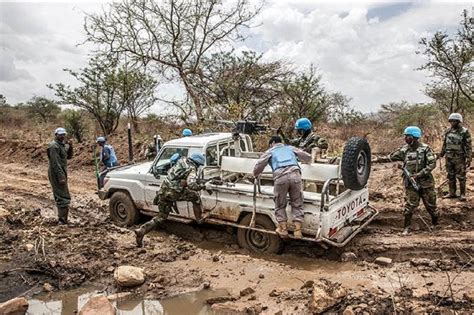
x=194, y=97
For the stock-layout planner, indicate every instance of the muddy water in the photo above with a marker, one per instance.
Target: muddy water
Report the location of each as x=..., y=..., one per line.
x=70, y=302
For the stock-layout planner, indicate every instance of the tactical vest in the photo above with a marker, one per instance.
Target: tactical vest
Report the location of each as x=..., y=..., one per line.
x=112, y=161
x=282, y=156
x=416, y=160
x=454, y=141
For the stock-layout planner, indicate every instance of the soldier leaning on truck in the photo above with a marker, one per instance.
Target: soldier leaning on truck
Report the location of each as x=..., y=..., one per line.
x=419, y=160
x=287, y=180
x=59, y=151
x=457, y=147
x=308, y=140
x=179, y=185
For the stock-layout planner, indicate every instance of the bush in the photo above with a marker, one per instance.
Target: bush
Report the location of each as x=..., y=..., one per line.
x=75, y=124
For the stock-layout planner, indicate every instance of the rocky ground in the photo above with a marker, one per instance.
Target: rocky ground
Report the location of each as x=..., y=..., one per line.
x=429, y=271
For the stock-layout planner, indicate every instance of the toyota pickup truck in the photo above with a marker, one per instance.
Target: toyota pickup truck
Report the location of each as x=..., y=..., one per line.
x=336, y=205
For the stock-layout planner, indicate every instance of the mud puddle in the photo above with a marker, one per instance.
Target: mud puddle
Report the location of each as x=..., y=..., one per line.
x=70, y=302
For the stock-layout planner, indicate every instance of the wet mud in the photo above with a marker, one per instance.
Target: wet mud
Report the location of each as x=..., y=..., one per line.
x=431, y=269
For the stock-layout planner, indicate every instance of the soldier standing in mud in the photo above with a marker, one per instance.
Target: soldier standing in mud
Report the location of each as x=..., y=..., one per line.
x=457, y=147
x=179, y=185
x=59, y=151
x=308, y=140
x=419, y=160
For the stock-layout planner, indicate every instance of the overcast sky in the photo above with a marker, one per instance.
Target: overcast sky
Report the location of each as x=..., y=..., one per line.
x=364, y=49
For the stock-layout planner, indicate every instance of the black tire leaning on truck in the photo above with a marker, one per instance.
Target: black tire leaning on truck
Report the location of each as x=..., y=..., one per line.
x=259, y=242
x=356, y=163
x=122, y=209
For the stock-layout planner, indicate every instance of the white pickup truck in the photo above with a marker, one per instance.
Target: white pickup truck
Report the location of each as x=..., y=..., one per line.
x=335, y=195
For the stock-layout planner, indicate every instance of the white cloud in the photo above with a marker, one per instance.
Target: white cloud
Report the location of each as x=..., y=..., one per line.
x=371, y=60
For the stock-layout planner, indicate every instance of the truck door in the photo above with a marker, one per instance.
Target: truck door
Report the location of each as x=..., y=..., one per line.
x=158, y=172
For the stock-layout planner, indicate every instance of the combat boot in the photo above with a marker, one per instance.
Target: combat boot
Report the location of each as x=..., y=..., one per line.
x=282, y=229
x=297, y=232
x=452, y=190
x=462, y=189
x=62, y=215
x=434, y=220
x=406, y=225
x=143, y=230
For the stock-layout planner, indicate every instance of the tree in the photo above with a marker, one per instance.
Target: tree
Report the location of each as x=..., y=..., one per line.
x=172, y=35
x=239, y=86
x=450, y=62
x=42, y=108
x=97, y=93
x=341, y=112
x=74, y=121
x=137, y=91
x=3, y=100
x=304, y=96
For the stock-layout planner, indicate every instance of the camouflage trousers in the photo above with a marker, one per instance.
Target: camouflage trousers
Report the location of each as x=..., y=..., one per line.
x=456, y=168
x=412, y=201
x=166, y=198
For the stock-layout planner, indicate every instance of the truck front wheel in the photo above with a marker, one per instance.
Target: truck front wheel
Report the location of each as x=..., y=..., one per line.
x=122, y=209
x=257, y=241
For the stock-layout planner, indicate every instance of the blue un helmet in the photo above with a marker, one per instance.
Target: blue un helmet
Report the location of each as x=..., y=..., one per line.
x=100, y=140
x=174, y=158
x=413, y=131
x=303, y=124
x=187, y=132
x=197, y=158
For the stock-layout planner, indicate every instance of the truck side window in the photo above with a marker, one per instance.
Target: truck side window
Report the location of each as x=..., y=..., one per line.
x=211, y=156
x=162, y=166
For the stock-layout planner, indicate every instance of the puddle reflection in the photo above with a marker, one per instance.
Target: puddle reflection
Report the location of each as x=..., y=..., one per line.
x=72, y=301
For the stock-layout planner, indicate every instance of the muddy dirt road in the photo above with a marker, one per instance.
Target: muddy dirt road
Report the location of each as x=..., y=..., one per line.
x=431, y=270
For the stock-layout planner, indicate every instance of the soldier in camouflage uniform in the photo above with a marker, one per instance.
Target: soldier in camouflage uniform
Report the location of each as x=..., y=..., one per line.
x=179, y=185
x=151, y=150
x=307, y=140
x=457, y=147
x=420, y=161
x=59, y=151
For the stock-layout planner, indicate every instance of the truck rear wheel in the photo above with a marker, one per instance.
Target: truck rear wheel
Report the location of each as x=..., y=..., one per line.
x=257, y=241
x=356, y=164
x=122, y=209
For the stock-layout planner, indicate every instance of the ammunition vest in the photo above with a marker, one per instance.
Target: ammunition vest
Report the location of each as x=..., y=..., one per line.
x=416, y=160
x=454, y=141
x=282, y=156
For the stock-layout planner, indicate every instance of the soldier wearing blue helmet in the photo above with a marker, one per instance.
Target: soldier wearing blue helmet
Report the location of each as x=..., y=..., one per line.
x=187, y=132
x=59, y=151
x=179, y=185
x=419, y=161
x=307, y=140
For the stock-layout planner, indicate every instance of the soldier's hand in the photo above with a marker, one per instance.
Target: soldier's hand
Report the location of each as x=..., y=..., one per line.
x=399, y=166
x=62, y=181
x=183, y=183
x=209, y=191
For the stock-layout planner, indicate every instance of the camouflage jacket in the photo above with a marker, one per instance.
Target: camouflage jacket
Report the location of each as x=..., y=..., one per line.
x=457, y=143
x=150, y=151
x=184, y=170
x=307, y=144
x=419, y=161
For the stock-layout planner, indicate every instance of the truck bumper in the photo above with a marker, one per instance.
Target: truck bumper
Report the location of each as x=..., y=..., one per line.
x=102, y=194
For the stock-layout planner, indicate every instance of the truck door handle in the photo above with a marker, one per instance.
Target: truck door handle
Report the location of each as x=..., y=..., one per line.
x=157, y=185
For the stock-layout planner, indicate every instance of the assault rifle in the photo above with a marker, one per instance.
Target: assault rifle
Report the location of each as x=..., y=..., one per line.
x=216, y=180
x=410, y=179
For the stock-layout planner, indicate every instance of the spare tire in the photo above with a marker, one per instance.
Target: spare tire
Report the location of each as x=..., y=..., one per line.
x=356, y=163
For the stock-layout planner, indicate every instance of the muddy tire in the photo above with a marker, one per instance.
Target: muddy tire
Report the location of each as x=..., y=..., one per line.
x=256, y=241
x=122, y=209
x=356, y=164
